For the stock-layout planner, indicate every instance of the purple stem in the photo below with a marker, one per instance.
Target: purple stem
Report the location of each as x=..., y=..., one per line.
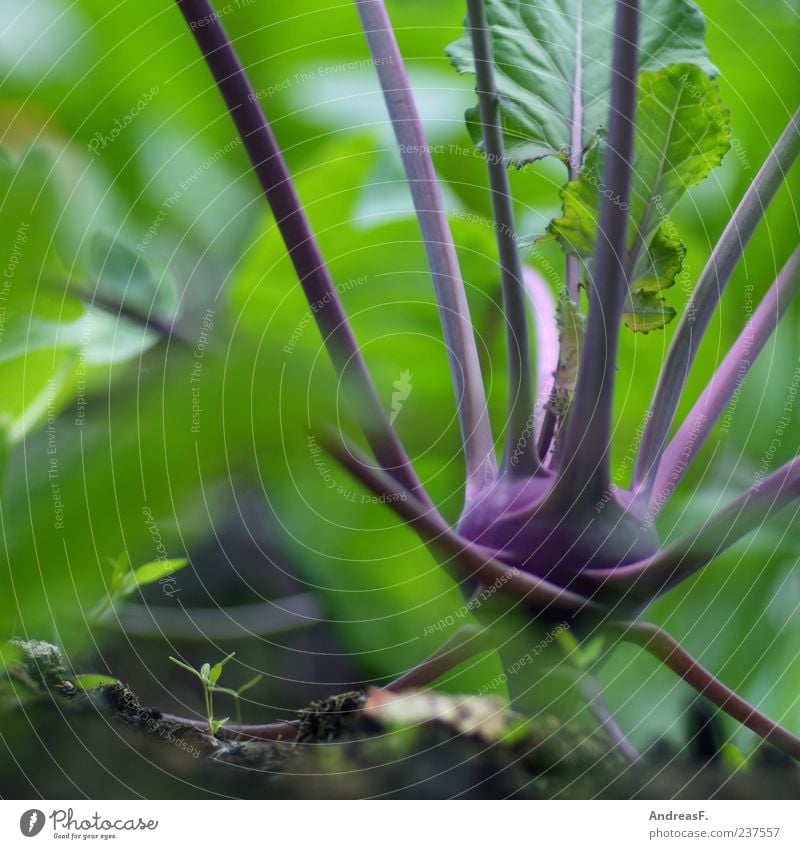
x=520, y=457
x=275, y=731
x=573, y=274
x=594, y=698
x=461, y=558
x=448, y=285
x=725, y=382
x=691, y=552
x=546, y=335
x=584, y=458
x=276, y=182
x=664, y=647
x=695, y=320
x=465, y=644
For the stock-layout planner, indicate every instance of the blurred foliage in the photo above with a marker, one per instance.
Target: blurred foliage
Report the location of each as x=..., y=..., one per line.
x=160, y=449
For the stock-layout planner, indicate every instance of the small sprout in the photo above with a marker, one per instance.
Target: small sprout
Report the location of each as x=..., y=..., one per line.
x=125, y=580
x=216, y=724
x=208, y=676
x=237, y=694
x=216, y=669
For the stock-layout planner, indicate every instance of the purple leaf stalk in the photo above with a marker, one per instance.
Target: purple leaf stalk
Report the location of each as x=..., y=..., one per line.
x=551, y=536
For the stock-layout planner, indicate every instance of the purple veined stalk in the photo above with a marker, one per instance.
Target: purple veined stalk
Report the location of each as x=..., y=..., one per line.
x=710, y=286
x=276, y=182
x=561, y=543
x=441, y=253
x=694, y=430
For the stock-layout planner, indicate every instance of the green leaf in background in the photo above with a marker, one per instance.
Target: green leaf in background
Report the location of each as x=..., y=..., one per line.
x=216, y=670
x=150, y=573
x=49, y=339
x=10, y=655
x=682, y=133
x=216, y=724
x=124, y=580
x=29, y=213
x=645, y=311
x=123, y=276
x=552, y=61
x=657, y=267
x=121, y=566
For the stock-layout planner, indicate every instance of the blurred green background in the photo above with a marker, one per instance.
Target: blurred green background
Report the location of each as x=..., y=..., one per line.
x=215, y=462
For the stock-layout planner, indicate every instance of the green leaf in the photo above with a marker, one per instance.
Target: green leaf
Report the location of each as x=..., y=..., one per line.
x=121, y=568
x=249, y=684
x=576, y=229
x=150, y=573
x=552, y=65
x=682, y=132
x=45, y=328
x=205, y=671
x=659, y=265
x=186, y=666
x=124, y=276
x=216, y=669
x=216, y=724
x=645, y=311
x=92, y=682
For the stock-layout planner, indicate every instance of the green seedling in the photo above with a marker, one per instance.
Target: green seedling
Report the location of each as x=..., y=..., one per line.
x=125, y=580
x=209, y=676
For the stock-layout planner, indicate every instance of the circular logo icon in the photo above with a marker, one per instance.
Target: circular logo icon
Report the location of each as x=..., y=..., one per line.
x=31, y=822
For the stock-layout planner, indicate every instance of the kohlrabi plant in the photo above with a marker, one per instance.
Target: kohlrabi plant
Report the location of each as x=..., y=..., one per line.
x=547, y=543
